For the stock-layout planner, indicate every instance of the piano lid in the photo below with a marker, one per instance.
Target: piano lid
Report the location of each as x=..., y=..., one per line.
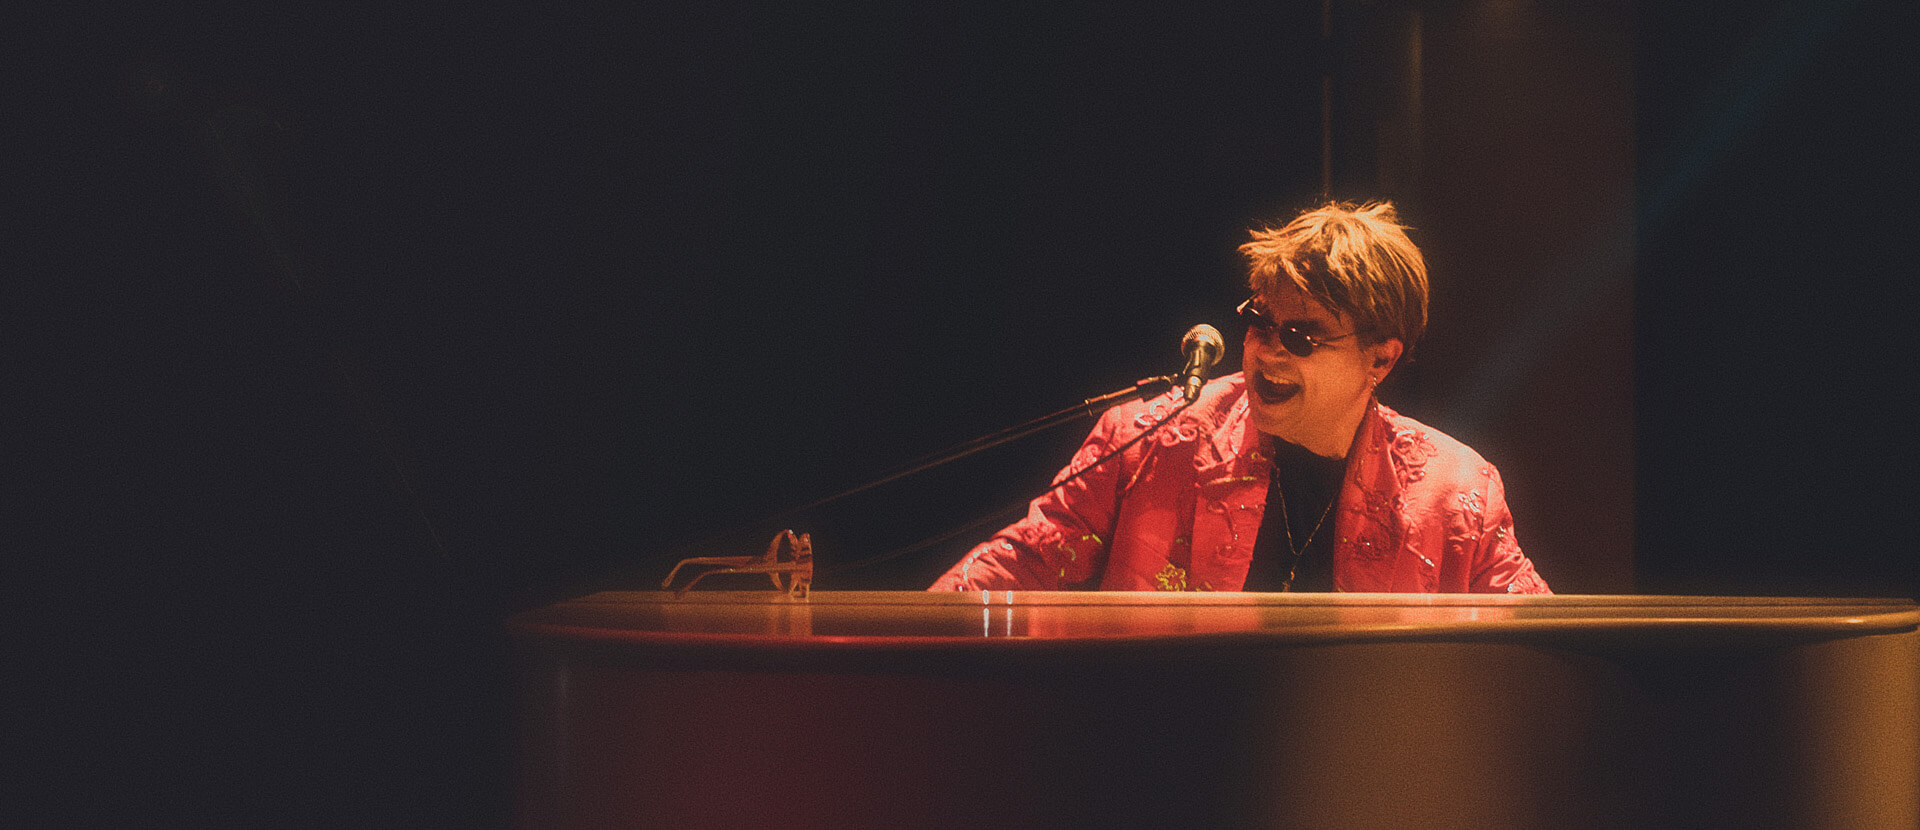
x=882, y=620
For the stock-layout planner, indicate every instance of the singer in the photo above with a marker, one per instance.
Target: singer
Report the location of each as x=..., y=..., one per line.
x=1288, y=475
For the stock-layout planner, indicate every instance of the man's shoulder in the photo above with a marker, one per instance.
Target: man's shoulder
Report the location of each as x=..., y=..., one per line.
x=1417, y=445
x=1215, y=405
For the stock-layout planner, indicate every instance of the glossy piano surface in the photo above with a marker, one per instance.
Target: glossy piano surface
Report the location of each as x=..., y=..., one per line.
x=856, y=619
x=1046, y=709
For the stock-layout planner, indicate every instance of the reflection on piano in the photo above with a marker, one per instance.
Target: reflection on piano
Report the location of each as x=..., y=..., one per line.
x=1036, y=709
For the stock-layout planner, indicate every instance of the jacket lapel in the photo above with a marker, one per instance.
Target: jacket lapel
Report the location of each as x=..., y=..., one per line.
x=1231, y=472
x=1367, y=542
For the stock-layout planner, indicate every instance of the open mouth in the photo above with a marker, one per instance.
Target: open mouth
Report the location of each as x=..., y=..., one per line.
x=1272, y=391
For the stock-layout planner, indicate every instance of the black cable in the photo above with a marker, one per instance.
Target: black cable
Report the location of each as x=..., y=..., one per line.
x=1091, y=406
x=956, y=531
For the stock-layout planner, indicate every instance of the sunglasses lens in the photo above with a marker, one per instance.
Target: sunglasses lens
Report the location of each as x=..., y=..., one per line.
x=1290, y=338
x=1296, y=342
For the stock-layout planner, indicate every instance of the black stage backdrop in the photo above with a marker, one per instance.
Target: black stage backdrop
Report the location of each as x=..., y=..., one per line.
x=1775, y=196
x=342, y=333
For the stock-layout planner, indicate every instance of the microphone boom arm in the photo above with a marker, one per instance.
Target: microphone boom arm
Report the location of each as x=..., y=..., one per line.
x=1141, y=389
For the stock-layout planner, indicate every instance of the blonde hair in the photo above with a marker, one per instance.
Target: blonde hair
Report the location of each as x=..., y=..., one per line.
x=1355, y=260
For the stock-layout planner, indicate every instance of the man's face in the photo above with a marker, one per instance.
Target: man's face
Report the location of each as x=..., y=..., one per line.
x=1315, y=401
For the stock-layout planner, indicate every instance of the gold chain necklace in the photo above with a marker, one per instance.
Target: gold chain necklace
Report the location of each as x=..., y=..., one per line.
x=1286, y=523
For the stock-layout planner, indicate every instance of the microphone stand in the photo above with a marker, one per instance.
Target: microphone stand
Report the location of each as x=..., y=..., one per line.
x=775, y=558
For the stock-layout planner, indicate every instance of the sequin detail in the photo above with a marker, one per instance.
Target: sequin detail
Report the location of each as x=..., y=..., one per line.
x=1159, y=410
x=1527, y=581
x=1174, y=578
x=1475, y=506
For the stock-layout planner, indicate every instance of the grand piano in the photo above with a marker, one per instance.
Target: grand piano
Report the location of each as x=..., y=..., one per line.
x=1091, y=709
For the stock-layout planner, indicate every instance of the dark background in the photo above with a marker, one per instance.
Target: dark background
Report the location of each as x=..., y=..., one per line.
x=343, y=333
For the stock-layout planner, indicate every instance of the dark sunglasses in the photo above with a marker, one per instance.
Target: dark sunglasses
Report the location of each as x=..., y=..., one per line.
x=1291, y=338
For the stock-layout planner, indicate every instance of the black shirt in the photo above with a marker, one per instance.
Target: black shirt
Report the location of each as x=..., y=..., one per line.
x=1300, y=496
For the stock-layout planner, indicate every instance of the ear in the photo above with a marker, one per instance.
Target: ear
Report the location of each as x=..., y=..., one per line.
x=1383, y=355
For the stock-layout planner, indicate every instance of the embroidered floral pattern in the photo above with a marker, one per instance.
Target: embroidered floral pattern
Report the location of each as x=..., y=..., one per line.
x=1475, y=505
x=1170, y=578
x=1177, y=434
x=1234, y=415
x=1088, y=454
x=1156, y=411
x=1374, y=504
x=1159, y=410
x=1412, y=450
x=1369, y=546
x=1174, y=578
x=1464, y=533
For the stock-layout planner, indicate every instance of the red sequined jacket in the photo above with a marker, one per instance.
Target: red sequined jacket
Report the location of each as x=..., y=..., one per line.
x=1418, y=511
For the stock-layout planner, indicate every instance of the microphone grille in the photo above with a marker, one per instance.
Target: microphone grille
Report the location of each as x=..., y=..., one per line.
x=1205, y=338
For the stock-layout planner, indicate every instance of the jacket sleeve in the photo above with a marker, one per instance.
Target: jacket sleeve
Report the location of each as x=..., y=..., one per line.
x=1499, y=566
x=1062, y=543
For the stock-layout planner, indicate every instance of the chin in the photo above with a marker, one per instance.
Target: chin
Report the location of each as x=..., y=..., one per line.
x=1276, y=427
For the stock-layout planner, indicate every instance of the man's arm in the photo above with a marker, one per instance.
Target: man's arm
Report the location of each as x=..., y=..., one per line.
x=1499, y=566
x=1062, y=543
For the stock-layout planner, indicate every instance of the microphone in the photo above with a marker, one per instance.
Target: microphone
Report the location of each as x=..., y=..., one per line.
x=1202, y=348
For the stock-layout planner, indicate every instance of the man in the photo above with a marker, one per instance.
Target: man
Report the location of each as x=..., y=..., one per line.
x=1286, y=476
